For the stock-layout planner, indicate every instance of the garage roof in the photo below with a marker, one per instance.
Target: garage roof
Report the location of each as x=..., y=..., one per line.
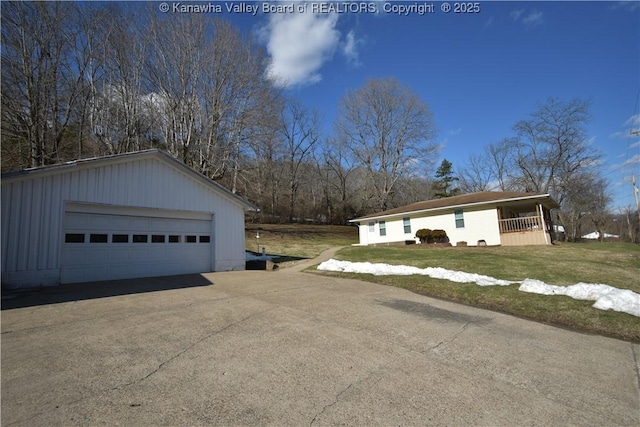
x=126, y=157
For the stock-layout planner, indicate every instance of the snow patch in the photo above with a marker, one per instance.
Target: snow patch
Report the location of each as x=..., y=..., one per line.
x=380, y=269
x=606, y=297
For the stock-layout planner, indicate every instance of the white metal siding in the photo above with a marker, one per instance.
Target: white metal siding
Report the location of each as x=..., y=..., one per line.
x=33, y=211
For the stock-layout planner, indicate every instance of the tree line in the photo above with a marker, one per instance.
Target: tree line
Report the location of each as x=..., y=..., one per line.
x=82, y=80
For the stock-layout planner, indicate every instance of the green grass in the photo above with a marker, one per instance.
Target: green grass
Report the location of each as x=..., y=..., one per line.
x=616, y=264
x=565, y=264
x=299, y=240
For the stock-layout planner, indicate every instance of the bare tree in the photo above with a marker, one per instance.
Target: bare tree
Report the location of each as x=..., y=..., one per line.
x=336, y=170
x=585, y=198
x=41, y=79
x=240, y=107
x=389, y=129
x=124, y=116
x=299, y=130
x=599, y=214
x=476, y=175
x=551, y=146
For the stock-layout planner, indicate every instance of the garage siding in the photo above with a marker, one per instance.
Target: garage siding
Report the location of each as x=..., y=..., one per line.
x=33, y=208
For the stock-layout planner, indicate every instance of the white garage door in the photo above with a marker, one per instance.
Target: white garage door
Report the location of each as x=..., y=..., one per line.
x=107, y=246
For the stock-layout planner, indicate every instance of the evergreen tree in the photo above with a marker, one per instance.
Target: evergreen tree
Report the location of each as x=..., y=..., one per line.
x=444, y=186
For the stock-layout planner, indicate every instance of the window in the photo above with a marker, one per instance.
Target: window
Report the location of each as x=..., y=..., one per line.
x=459, y=219
x=372, y=227
x=191, y=239
x=74, y=238
x=383, y=228
x=205, y=239
x=406, y=222
x=120, y=238
x=98, y=238
x=174, y=239
x=140, y=238
x=157, y=238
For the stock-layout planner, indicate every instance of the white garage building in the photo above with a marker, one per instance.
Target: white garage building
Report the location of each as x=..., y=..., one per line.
x=132, y=215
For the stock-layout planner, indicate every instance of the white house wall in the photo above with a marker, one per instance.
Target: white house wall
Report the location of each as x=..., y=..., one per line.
x=33, y=211
x=479, y=224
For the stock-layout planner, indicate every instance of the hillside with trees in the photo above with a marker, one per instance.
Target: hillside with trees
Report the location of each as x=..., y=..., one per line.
x=84, y=79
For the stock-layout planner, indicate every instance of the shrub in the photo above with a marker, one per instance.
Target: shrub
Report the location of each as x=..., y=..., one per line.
x=439, y=236
x=425, y=235
x=432, y=236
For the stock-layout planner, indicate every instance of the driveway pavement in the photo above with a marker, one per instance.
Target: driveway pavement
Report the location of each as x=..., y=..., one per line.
x=293, y=348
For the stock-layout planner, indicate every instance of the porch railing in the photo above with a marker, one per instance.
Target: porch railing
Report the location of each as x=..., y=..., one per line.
x=527, y=223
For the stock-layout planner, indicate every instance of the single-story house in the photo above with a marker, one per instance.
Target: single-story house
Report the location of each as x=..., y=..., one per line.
x=138, y=214
x=485, y=218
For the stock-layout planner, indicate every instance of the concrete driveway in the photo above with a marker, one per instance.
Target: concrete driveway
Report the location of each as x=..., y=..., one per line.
x=293, y=348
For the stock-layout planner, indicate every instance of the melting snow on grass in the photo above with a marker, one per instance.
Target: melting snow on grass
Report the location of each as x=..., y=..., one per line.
x=606, y=297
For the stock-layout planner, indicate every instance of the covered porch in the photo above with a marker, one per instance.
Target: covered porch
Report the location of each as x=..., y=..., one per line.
x=526, y=224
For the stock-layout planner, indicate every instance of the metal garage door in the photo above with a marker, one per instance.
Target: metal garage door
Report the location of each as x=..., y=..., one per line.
x=108, y=246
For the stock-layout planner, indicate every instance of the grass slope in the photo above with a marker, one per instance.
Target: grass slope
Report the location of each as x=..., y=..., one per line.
x=298, y=240
x=565, y=264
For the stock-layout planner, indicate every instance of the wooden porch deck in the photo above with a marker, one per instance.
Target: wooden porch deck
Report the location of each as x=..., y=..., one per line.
x=523, y=231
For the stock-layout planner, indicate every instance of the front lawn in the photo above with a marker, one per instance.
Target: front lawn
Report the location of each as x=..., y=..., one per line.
x=613, y=264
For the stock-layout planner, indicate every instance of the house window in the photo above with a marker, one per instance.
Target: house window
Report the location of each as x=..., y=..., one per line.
x=191, y=239
x=372, y=227
x=157, y=238
x=459, y=219
x=205, y=239
x=406, y=222
x=174, y=239
x=383, y=228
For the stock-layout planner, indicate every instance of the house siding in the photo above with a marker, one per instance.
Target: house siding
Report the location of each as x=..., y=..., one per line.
x=33, y=209
x=479, y=224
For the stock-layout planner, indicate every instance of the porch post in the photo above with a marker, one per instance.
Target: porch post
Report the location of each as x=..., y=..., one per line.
x=544, y=226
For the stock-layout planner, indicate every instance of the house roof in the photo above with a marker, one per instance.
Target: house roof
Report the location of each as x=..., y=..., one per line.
x=465, y=200
x=126, y=157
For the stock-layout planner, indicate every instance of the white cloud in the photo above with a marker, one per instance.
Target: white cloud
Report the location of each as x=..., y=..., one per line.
x=515, y=15
x=632, y=161
x=534, y=18
x=350, y=49
x=299, y=43
x=618, y=134
x=630, y=5
x=633, y=120
x=531, y=19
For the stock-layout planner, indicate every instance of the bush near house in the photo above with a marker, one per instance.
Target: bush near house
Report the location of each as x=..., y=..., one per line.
x=440, y=236
x=424, y=234
x=432, y=236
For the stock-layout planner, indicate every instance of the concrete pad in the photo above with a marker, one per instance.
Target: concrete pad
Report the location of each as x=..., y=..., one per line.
x=293, y=348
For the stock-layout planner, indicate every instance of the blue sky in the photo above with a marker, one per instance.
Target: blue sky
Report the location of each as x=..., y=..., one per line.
x=479, y=72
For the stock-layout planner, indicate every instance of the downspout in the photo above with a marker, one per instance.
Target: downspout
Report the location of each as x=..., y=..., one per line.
x=544, y=226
